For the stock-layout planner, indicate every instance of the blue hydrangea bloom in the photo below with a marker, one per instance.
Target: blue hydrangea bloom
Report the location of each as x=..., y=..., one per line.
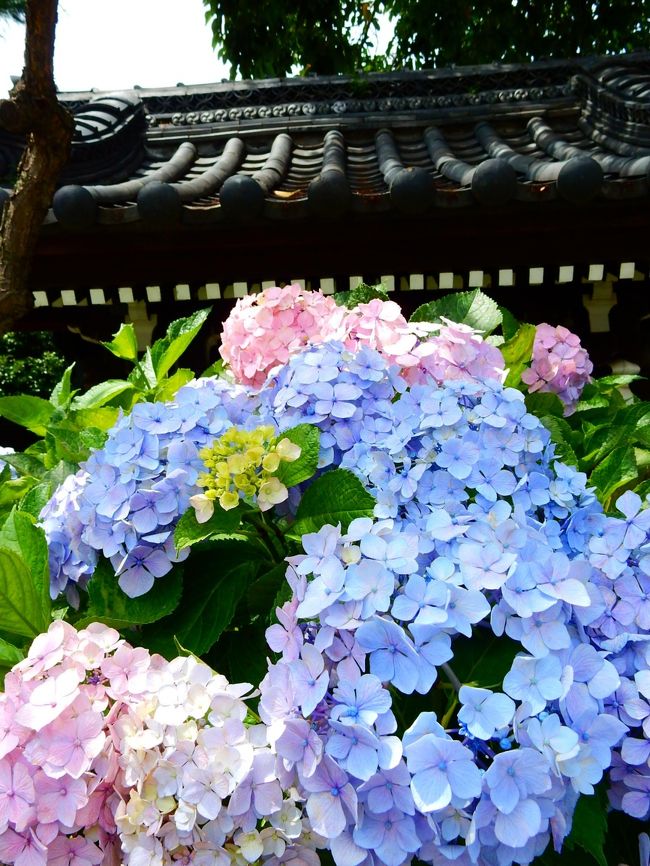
x=129, y=495
x=477, y=527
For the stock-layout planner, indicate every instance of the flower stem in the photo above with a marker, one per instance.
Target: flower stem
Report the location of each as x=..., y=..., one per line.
x=449, y=714
x=451, y=676
x=271, y=544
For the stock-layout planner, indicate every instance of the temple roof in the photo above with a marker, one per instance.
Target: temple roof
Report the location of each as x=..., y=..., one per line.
x=570, y=132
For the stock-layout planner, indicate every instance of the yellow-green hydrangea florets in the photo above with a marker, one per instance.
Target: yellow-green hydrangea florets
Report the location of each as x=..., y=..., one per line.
x=241, y=464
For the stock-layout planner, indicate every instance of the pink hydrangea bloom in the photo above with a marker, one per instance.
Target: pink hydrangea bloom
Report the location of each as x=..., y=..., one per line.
x=452, y=351
x=16, y=793
x=22, y=849
x=122, y=756
x=381, y=326
x=559, y=366
x=49, y=698
x=73, y=852
x=423, y=351
x=126, y=670
x=11, y=732
x=265, y=330
x=59, y=799
x=59, y=771
x=69, y=744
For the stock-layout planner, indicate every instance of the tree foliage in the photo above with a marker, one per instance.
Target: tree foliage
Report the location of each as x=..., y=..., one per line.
x=29, y=363
x=317, y=35
x=334, y=36
x=14, y=9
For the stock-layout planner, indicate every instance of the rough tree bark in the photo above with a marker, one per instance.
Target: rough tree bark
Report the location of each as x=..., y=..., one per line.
x=34, y=111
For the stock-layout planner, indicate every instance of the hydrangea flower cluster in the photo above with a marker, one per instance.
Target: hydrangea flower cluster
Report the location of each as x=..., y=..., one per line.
x=478, y=529
x=559, y=366
x=451, y=351
x=109, y=754
x=478, y=533
x=341, y=392
x=126, y=500
x=619, y=550
x=72, y=561
x=241, y=464
x=128, y=496
x=476, y=521
x=380, y=325
x=263, y=332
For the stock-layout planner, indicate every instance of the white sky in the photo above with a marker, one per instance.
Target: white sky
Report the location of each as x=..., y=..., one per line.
x=114, y=45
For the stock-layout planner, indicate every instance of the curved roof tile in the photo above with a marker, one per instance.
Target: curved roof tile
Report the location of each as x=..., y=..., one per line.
x=405, y=142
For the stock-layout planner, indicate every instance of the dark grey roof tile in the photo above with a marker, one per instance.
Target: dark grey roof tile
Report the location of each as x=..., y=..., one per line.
x=561, y=130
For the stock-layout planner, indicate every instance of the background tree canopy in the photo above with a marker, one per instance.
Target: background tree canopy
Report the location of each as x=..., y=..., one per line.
x=12, y=9
x=330, y=36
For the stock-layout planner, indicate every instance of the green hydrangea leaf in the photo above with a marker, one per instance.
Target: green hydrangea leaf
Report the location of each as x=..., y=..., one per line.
x=623, y=427
x=100, y=395
x=517, y=352
x=307, y=437
x=643, y=489
x=10, y=655
x=217, y=369
x=124, y=344
x=246, y=652
x=107, y=603
x=483, y=659
x=102, y=418
x=542, y=404
x=509, y=324
x=468, y=308
x=59, y=472
x=361, y=294
x=20, y=534
x=617, y=470
x=262, y=593
x=143, y=376
x=596, y=402
x=35, y=500
x=24, y=608
x=642, y=459
x=594, y=398
x=71, y=444
x=24, y=464
x=166, y=351
x=562, y=435
x=189, y=531
x=204, y=620
x=62, y=391
x=34, y=413
x=13, y=491
x=222, y=572
x=589, y=828
x=336, y=497
x=169, y=387
x=619, y=381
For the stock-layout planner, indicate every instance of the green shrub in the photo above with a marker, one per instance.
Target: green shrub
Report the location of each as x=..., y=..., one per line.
x=29, y=363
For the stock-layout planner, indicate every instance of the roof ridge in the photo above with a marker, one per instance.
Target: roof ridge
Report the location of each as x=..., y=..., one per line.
x=243, y=86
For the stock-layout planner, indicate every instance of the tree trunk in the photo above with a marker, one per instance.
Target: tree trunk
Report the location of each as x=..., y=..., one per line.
x=34, y=111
